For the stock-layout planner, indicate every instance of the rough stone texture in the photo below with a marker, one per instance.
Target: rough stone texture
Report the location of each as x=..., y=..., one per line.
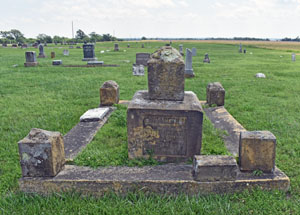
x=206, y=59
x=95, y=62
x=166, y=75
x=41, y=153
x=95, y=114
x=41, y=53
x=82, y=134
x=52, y=54
x=215, y=94
x=221, y=119
x=116, y=47
x=89, y=52
x=257, y=151
x=57, y=62
x=142, y=58
x=164, y=179
x=214, y=168
x=189, y=72
x=109, y=93
x=169, y=130
x=138, y=70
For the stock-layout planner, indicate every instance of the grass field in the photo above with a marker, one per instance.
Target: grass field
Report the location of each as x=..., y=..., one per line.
x=53, y=98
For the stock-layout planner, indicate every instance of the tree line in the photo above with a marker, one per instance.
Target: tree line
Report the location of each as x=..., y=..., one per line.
x=16, y=36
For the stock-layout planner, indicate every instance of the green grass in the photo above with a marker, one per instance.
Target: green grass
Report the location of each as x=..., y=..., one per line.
x=53, y=98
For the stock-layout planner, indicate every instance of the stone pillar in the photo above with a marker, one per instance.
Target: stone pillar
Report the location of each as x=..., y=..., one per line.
x=41, y=153
x=189, y=72
x=41, y=53
x=257, y=151
x=181, y=49
x=166, y=75
x=116, y=47
x=109, y=93
x=194, y=51
x=240, y=49
x=215, y=94
x=30, y=59
x=293, y=57
x=52, y=55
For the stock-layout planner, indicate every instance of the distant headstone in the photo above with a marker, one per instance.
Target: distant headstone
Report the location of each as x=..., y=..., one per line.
x=143, y=46
x=181, y=50
x=24, y=46
x=66, y=52
x=55, y=43
x=240, y=49
x=128, y=45
x=45, y=44
x=116, y=47
x=52, y=54
x=41, y=53
x=260, y=75
x=14, y=45
x=30, y=59
x=142, y=58
x=4, y=45
x=293, y=57
x=188, y=71
x=56, y=62
x=71, y=47
x=206, y=59
x=89, y=52
x=194, y=52
x=138, y=70
x=95, y=62
x=78, y=47
x=245, y=51
x=109, y=93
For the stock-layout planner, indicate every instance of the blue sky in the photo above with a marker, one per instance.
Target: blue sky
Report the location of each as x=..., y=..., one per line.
x=154, y=18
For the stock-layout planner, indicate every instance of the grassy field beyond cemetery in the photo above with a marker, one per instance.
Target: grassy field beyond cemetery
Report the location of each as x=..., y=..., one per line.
x=53, y=98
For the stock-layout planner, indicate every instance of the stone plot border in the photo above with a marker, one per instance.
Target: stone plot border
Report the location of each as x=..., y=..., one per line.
x=101, y=65
x=171, y=179
x=82, y=134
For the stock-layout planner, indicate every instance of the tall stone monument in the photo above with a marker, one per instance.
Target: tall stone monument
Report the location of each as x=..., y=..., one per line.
x=240, y=49
x=89, y=52
x=41, y=53
x=189, y=72
x=181, y=49
x=30, y=59
x=293, y=57
x=165, y=122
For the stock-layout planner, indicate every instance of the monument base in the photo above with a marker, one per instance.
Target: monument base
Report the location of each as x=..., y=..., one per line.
x=29, y=64
x=90, y=59
x=189, y=73
x=168, y=131
x=42, y=56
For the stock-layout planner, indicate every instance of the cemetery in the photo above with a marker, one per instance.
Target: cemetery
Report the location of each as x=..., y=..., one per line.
x=149, y=120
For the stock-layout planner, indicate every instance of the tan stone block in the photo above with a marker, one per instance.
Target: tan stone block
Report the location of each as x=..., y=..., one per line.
x=41, y=153
x=257, y=151
x=215, y=94
x=109, y=93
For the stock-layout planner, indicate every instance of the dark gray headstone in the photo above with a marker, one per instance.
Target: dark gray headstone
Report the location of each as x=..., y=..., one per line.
x=116, y=47
x=142, y=58
x=56, y=62
x=206, y=59
x=41, y=53
x=89, y=52
x=30, y=56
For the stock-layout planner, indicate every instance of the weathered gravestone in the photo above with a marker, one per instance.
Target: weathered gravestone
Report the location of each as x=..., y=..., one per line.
x=143, y=46
x=56, y=62
x=128, y=45
x=66, y=52
x=188, y=71
x=206, y=59
x=52, y=55
x=116, y=47
x=293, y=57
x=30, y=59
x=14, y=45
x=89, y=52
x=245, y=51
x=109, y=93
x=4, y=45
x=240, y=49
x=138, y=70
x=142, y=58
x=215, y=94
x=181, y=49
x=41, y=53
x=24, y=46
x=165, y=122
x=194, y=52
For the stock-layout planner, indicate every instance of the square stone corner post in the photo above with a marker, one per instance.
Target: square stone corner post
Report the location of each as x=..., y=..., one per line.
x=109, y=93
x=257, y=150
x=215, y=94
x=42, y=153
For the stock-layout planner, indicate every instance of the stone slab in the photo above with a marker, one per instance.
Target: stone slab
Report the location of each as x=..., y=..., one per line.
x=90, y=59
x=95, y=62
x=171, y=131
x=95, y=114
x=214, y=168
x=163, y=179
x=223, y=120
x=29, y=64
x=81, y=135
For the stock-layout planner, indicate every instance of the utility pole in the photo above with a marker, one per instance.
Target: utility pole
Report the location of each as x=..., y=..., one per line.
x=72, y=30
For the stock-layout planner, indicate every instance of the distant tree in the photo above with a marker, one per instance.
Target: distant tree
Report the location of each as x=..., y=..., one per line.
x=17, y=35
x=44, y=38
x=80, y=34
x=58, y=39
x=108, y=37
x=144, y=38
x=94, y=37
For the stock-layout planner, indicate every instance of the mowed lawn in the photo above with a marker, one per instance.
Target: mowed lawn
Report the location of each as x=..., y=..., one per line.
x=53, y=98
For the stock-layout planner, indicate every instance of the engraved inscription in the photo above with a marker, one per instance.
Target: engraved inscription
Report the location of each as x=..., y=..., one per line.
x=171, y=140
